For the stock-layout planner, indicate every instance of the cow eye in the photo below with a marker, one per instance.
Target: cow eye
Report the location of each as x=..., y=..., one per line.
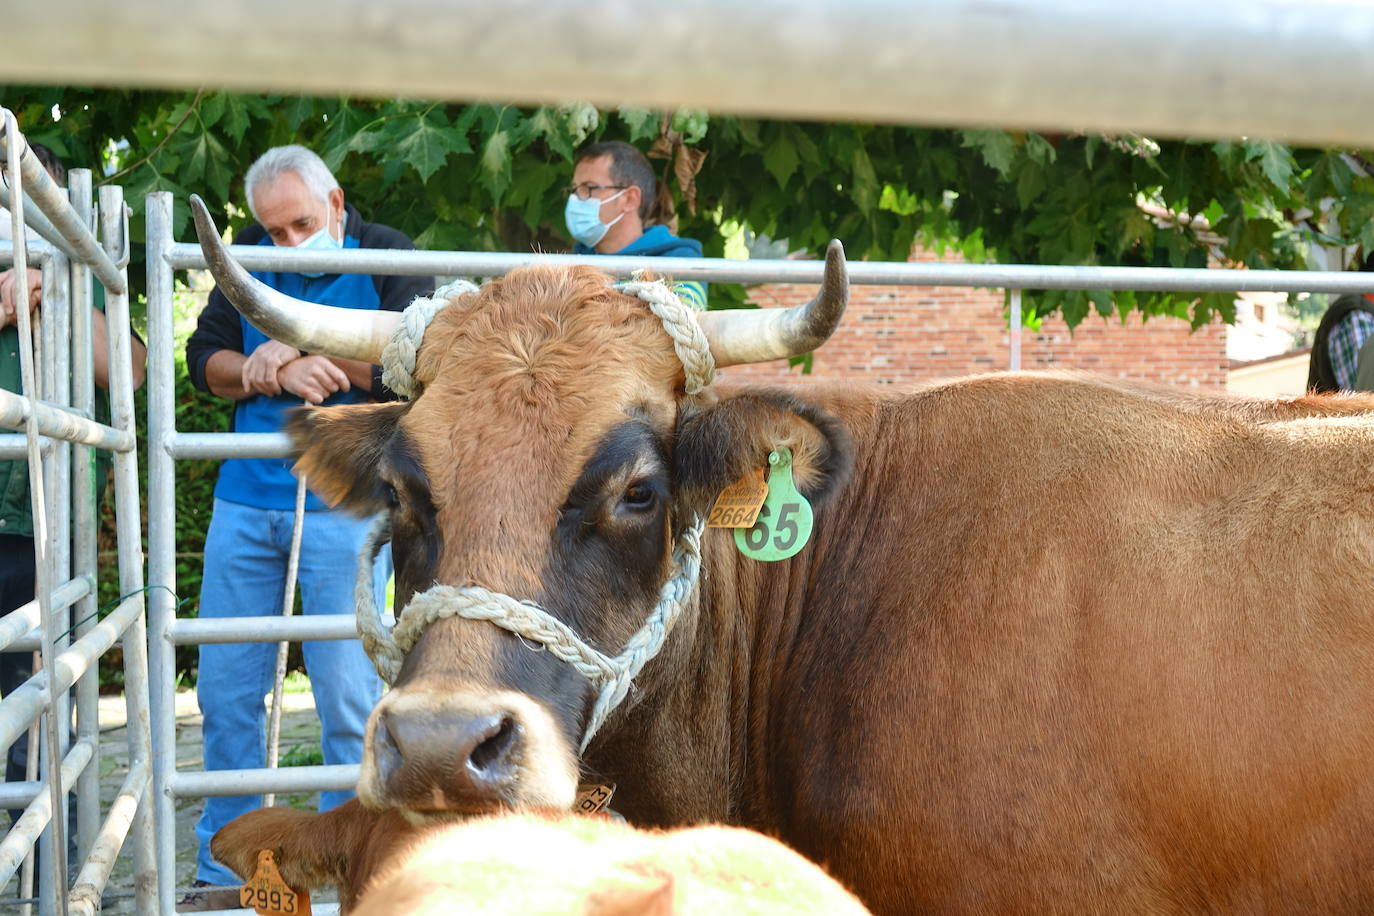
x=389, y=496
x=638, y=496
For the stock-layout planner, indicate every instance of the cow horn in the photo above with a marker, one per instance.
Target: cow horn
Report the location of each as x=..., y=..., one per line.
x=324, y=329
x=743, y=336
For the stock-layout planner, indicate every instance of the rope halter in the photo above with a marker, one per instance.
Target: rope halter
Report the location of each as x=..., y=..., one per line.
x=387, y=647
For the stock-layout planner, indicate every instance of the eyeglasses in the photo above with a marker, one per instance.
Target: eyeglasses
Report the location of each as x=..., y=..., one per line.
x=585, y=189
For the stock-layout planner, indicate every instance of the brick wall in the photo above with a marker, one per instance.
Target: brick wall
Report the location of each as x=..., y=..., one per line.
x=895, y=335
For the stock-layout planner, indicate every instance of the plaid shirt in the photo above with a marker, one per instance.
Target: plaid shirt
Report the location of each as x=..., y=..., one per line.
x=1344, y=344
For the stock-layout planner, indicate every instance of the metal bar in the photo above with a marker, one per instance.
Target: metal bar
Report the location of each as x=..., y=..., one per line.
x=62, y=424
x=20, y=170
x=86, y=519
x=288, y=604
x=18, y=623
x=38, y=252
x=39, y=223
x=199, y=783
x=95, y=873
x=21, y=837
x=114, y=231
x=51, y=198
x=1015, y=328
x=161, y=537
x=1223, y=68
x=194, y=631
x=14, y=446
x=28, y=700
x=861, y=273
x=227, y=445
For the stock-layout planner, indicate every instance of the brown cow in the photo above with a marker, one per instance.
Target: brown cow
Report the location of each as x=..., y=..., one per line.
x=529, y=864
x=1056, y=644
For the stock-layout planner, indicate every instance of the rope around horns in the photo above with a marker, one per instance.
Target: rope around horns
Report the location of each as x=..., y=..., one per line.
x=398, y=356
x=387, y=647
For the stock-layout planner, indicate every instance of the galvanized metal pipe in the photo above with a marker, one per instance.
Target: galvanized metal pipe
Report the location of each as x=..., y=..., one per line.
x=227, y=445
x=1220, y=69
x=114, y=226
x=86, y=519
x=100, y=861
x=38, y=814
x=51, y=198
x=199, y=783
x=39, y=223
x=19, y=622
x=161, y=536
x=62, y=424
x=194, y=631
x=19, y=708
x=861, y=273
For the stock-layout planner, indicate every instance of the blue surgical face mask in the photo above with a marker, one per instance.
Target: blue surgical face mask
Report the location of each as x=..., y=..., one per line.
x=584, y=218
x=323, y=240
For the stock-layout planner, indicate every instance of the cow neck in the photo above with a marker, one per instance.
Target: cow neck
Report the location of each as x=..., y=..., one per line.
x=387, y=646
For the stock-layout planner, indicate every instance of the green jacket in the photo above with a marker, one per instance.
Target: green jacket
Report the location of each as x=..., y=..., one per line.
x=16, y=512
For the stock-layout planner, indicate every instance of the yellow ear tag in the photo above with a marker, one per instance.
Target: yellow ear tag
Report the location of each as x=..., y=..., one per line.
x=593, y=799
x=784, y=523
x=737, y=506
x=268, y=894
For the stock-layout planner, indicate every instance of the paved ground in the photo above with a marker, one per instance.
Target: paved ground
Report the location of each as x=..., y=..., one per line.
x=300, y=742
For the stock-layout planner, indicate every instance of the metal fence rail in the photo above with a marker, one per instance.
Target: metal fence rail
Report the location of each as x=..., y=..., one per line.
x=55, y=411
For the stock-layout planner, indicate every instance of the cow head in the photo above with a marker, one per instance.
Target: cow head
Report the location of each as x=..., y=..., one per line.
x=553, y=455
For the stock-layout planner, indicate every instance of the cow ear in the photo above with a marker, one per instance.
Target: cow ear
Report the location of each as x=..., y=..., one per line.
x=339, y=448
x=719, y=443
x=300, y=842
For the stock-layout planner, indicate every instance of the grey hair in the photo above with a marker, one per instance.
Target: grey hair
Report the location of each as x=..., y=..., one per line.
x=305, y=163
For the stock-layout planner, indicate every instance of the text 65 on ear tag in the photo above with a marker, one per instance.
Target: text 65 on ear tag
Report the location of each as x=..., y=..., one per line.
x=784, y=523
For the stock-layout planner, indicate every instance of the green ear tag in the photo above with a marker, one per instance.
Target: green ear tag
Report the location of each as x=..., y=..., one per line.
x=784, y=522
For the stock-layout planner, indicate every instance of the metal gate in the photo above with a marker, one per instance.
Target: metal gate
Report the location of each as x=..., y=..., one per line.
x=55, y=411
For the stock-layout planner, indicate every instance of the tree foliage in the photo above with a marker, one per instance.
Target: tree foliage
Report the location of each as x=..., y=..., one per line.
x=489, y=177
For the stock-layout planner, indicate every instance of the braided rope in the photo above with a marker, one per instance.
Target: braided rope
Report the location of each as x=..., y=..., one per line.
x=526, y=619
x=614, y=676
x=398, y=356
x=680, y=321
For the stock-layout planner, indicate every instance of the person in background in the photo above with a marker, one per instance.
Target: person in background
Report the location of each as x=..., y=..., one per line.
x=1343, y=347
x=609, y=203
x=297, y=203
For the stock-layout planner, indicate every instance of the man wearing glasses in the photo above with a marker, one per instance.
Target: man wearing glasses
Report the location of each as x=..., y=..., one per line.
x=609, y=203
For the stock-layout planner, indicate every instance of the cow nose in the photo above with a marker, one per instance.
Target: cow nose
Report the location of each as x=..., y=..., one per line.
x=447, y=759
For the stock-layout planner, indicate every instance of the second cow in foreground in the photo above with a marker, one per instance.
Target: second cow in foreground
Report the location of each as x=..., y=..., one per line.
x=1055, y=644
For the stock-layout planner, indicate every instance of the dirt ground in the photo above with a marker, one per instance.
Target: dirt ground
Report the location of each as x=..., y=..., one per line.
x=299, y=742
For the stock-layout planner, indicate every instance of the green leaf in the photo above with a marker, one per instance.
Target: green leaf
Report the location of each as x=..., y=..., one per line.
x=1029, y=184
x=780, y=158
x=691, y=123
x=642, y=122
x=996, y=146
x=297, y=110
x=426, y=142
x=1039, y=150
x=865, y=189
x=1102, y=301
x=1275, y=161
x=496, y=162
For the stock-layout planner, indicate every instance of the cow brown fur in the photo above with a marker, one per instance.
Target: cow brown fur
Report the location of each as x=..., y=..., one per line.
x=1058, y=644
x=529, y=864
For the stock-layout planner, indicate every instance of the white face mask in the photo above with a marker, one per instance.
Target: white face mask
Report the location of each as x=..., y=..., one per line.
x=584, y=218
x=323, y=240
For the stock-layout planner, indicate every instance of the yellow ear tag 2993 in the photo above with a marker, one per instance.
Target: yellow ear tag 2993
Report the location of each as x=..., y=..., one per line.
x=784, y=523
x=738, y=505
x=268, y=894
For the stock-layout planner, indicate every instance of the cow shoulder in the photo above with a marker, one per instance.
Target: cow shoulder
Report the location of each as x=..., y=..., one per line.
x=338, y=450
x=719, y=442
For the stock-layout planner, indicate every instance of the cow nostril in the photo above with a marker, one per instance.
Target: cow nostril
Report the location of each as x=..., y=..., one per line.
x=492, y=753
x=386, y=756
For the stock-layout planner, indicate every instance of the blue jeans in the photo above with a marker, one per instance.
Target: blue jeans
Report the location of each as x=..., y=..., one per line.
x=246, y=555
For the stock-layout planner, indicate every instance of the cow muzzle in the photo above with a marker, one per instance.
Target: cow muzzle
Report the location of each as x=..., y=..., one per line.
x=440, y=751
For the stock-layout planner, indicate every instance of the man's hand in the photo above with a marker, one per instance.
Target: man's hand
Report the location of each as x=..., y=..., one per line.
x=259, y=372
x=313, y=378
x=9, y=294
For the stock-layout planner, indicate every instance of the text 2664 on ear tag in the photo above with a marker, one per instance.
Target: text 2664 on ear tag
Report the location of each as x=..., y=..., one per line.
x=268, y=894
x=785, y=520
x=738, y=505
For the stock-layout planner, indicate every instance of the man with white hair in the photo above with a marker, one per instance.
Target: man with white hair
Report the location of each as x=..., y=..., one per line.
x=298, y=204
